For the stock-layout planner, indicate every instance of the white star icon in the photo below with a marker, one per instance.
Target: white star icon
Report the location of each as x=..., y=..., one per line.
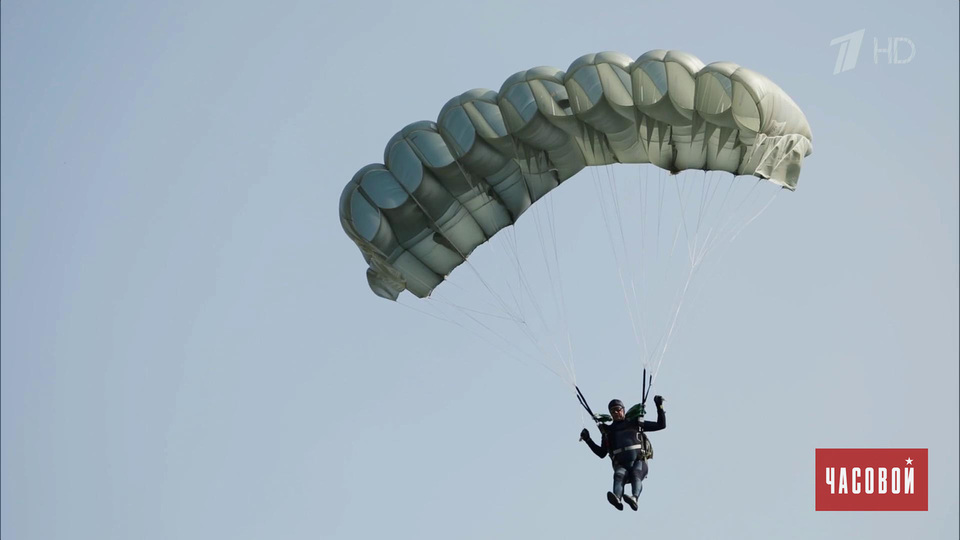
x=909, y=461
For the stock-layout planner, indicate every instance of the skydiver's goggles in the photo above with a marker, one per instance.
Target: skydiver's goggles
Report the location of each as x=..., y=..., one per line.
x=637, y=411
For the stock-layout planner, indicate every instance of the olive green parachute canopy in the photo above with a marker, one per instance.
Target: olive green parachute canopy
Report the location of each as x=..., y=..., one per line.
x=447, y=187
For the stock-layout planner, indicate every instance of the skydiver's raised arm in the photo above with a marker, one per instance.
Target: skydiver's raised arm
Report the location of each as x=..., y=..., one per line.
x=661, y=422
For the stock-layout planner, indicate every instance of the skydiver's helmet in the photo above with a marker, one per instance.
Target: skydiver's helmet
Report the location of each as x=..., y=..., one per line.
x=637, y=411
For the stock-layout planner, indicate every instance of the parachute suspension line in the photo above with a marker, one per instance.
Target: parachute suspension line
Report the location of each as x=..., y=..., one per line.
x=528, y=332
x=606, y=221
x=716, y=228
x=526, y=284
x=733, y=231
x=614, y=196
x=553, y=282
x=762, y=210
x=716, y=186
x=513, y=255
x=657, y=203
x=567, y=362
x=681, y=225
x=511, y=244
x=755, y=216
x=445, y=317
x=543, y=248
x=471, y=310
x=432, y=302
x=730, y=223
x=683, y=218
x=673, y=324
x=519, y=265
x=525, y=287
x=543, y=252
x=706, y=199
x=664, y=343
x=552, y=221
x=721, y=253
x=659, y=207
x=503, y=304
x=521, y=286
x=521, y=280
x=507, y=351
x=518, y=303
x=630, y=273
x=536, y=343
x=436, y=296
x=692, y=271
x=714, y=236
x=641, y=187
x=649, y=198
x=633, y=308
x=733, y=225
x=515, y=295
x=642, y=301
x=532, y=295
x=704, y=192
x=427, y=313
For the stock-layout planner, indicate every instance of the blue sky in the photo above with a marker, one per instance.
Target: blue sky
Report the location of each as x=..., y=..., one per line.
x=190, y=349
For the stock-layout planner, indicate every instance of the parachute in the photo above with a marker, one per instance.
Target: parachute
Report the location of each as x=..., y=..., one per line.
x=446, y=188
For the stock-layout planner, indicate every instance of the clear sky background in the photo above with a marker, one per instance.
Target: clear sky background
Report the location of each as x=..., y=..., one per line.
x=190, y=349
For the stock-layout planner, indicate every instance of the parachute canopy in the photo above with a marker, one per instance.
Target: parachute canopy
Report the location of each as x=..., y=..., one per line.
x=447, y=187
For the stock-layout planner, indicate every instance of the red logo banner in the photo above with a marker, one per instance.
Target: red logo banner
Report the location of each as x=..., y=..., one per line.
x=871, y=479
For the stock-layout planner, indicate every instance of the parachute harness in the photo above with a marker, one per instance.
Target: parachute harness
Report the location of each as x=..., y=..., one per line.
x=637, y=411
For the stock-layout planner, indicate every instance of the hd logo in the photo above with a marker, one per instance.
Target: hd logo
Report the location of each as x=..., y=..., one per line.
x=871, y=479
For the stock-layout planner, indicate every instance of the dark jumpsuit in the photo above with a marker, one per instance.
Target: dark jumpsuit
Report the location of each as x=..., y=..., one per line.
x=624, y=434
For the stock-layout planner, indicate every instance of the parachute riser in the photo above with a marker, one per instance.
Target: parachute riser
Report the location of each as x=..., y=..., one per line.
x=647, y=385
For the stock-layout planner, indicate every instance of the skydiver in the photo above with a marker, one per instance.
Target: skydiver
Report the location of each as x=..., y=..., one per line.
x=623, y=441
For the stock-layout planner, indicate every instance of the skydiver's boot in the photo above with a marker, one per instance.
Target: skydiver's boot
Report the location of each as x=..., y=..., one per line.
x=631, y=501
x=614, y=500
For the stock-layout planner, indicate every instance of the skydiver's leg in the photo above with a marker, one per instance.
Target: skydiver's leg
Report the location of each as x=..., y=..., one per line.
x=619, y=475
x=637, y=473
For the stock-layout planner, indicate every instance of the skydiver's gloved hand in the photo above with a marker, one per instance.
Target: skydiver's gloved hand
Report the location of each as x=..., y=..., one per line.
x=584, y=435
x=659, y=401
